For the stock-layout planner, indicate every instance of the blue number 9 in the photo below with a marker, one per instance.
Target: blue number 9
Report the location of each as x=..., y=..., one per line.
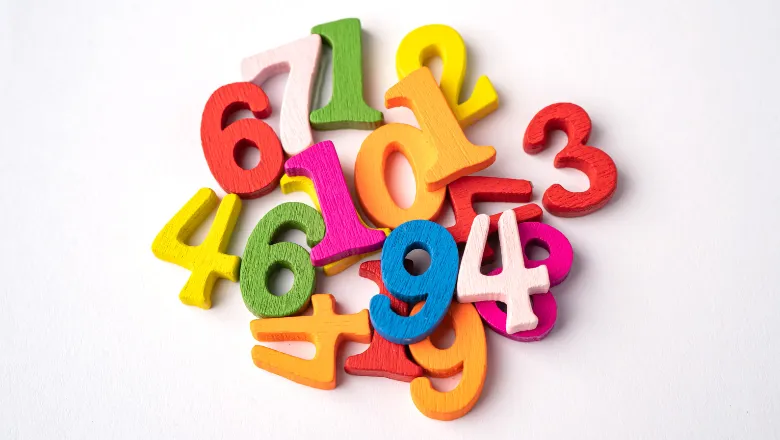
x=436, y=285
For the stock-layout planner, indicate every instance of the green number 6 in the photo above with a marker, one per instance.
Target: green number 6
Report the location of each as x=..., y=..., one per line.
x=262, y=259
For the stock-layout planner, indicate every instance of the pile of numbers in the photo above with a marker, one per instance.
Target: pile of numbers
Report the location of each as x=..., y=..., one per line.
x=409, y=308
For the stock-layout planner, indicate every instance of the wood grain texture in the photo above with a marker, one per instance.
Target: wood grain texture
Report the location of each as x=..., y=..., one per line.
x=561, y=256
x=426, y=42
x=372, y=190
x=300, y=59
x=383, y=358
x=289, y=185
x=466, y=191
x=468, y=353
x=514, y=285
x=438, y=153
x=435, y=285
x=208, y=260
x=596, y=164
x=262, y=259
x=453, y=155
x=221, y=141
x=325, y=329
x=345, y=235
x=346, y=108
x=304, y=184
x=543, y=306
x=558, y=265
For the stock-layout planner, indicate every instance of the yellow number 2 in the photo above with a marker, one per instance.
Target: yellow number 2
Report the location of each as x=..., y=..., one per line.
x=207, y=261
x=426, y=42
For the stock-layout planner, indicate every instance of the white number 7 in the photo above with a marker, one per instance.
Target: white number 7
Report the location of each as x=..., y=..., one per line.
x=300, y=58
x=513, y=285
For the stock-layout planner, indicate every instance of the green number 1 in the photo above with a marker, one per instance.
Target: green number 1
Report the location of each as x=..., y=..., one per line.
x=346, y=108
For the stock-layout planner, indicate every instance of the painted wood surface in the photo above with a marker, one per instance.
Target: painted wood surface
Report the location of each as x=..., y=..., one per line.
x=558, y=265
x=300, y=59
x=383, y=358
x=438, y=152
x=435, y=285
x=454, y=156
x=468, y=353
x=372, y=189
x=304, y=184
x=438, y=40
x=346, y=108
x=208, y=260
x=466, y=191
x=221, y=141
x=345, y=235
x=325, y=329
x=263, y=258
x=596, y=164
x=514, y=285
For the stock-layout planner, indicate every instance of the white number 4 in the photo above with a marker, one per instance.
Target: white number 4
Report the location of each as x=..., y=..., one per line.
x=513, y=285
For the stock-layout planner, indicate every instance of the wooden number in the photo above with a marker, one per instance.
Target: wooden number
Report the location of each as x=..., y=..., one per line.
x=220, y=141
x=207, y=261
x=544, y=307
x=346, y=108
x=383, y=358
x=436, y=283
x=325, y=329
x=467, y=353
x=345, y=235
x=454, y=156
x=468, y=190
x=514, y=285
x=426, y=42
x=373, y=193
x=263, y=258
x=561, y=253
x=596, y=164
x=438, y=152
x=300, y=183
x=300, y=59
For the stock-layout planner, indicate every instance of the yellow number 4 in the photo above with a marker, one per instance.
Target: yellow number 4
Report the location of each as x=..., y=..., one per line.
x=207, y=261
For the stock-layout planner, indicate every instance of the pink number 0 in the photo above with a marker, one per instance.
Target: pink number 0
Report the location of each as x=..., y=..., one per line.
x=544, y=307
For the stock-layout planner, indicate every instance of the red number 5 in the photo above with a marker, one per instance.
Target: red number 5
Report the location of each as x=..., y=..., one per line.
x=599, y=167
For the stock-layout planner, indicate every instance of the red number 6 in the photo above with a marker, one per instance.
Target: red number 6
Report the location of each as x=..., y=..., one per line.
x=220, y=142
x=599, y=167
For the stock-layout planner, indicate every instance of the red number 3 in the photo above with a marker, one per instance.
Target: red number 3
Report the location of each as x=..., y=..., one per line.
x=599, y=167
x=220, y=141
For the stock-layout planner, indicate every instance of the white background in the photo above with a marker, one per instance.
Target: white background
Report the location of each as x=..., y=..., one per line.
x=668, y=323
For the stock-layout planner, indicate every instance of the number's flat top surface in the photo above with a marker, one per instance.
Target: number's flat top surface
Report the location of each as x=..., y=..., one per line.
x=667, y=324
